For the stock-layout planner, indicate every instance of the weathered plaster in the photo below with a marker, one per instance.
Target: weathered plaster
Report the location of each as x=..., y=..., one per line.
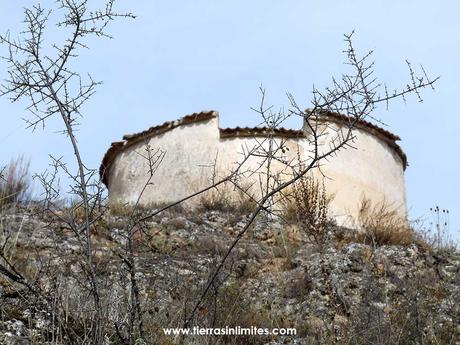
x=372, y=169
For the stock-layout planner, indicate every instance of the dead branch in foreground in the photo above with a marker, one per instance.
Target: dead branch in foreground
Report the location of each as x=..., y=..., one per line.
x=53, y=89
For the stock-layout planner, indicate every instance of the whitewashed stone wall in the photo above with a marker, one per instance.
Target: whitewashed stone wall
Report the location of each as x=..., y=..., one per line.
x=372, y=169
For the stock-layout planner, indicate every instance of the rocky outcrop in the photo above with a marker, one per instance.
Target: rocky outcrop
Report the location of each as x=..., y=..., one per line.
x=348, y=293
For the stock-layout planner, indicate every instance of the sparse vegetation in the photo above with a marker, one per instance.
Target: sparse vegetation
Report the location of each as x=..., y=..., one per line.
x=307, y=205
x=436, y=232
x=408, y=319
x=257, y=287
x=15, y=182
x=222, y=199
x=80, y=275
x=383, y=225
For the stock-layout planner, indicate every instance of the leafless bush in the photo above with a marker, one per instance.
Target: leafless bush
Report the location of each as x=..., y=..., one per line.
x=46, y=79
x=230, y=307
x=403, y=318
x=383, y=225
x=104, y=307
x=308, y=206
x=436, y=232
x=224, y=198
x=15, y=182
x=214, y=200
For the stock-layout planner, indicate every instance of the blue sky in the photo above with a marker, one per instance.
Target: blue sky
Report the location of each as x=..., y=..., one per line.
x=179, y=57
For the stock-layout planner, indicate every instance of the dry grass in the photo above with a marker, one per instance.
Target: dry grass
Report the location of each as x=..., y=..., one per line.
x=120, y=209
x=308, y=205
x=214, y=200
x=436, y=232
x=230, y=307
x=227, y=200
x=383, y=225
x=14, y=182
x=408, y=318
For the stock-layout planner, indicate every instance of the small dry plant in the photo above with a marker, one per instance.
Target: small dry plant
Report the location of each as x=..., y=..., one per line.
x=382, y=225
x=214, y=199
x=14, y=181
x=44, y=74
x=308, y=206
x=436, y=231
x=223, y=199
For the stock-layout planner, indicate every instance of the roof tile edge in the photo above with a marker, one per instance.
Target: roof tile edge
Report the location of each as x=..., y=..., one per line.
x=131, y=139
x=386, y=136
x=264, y=132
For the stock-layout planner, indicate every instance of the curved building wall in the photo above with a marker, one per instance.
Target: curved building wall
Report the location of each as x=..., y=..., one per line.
x=369, y=169
x=372, y=169
x=188, y=150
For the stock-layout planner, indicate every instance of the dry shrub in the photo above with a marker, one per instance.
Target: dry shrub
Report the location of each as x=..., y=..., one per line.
x=383, y=225
x=409, y=318
x=125, y=209
x=120, y=209
x=308, y=206
x=230, y=307
x=436, y=232
x=224, y=198
x=214, y=200
x=14, y=182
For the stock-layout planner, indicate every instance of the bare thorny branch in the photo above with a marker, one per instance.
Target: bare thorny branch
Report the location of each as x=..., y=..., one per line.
x=355, y=95
x=52, y=88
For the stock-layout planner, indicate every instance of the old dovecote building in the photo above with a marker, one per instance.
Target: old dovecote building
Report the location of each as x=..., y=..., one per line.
x=374, y=169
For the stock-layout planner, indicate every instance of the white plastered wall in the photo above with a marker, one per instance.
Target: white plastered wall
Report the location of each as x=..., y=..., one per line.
x=372, y=170
x=367, y=169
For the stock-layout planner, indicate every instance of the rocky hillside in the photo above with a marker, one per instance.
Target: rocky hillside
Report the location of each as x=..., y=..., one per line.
x=347, y=293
